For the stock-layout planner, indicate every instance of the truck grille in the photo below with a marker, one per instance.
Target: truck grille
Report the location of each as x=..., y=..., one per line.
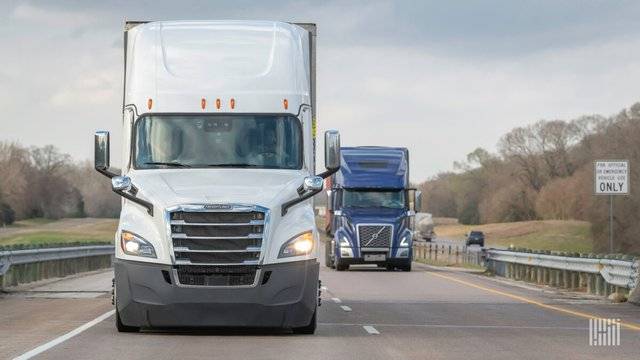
x=376, y=236
x=219, y=247
x=216, y=238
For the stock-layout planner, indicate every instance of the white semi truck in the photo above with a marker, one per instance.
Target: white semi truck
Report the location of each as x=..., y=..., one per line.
x=217, y=226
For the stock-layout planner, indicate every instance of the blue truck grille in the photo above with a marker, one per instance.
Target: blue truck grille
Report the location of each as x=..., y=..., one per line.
x=374, y=236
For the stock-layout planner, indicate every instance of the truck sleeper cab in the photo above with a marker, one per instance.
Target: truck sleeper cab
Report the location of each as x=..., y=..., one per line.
x=216, y=227
x=371, y=209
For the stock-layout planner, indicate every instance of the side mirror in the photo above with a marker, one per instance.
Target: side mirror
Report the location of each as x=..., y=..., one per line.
x=332, y=150
x=313, y=183
x=121, y=183
x=330, y=200
x=101, y=151
x=418, y=201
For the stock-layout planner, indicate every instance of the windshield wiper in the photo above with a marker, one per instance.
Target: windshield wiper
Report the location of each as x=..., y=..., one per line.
x=233, y=165
x=174, y=164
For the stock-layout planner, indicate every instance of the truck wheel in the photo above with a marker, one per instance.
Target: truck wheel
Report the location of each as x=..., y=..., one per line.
x=119, y=325
x=327, y=254
x=340, y=266
x=406, y=267
x=309, y=329
x=122, y=327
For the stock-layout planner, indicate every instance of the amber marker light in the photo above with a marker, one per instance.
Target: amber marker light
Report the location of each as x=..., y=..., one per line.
x=149, y=103
x=203, y=103
x=285, y=103
x=232, y=103
x=218, y=104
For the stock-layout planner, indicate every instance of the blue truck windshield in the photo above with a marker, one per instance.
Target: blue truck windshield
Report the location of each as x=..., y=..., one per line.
x=257, y=141
x=372, y=199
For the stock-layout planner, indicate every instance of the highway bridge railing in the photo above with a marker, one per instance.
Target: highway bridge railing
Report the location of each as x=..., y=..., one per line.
x=591, y=273
x=28, y=265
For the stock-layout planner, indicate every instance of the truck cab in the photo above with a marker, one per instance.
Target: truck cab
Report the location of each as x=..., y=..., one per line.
x=371, y=209
x=217, y=175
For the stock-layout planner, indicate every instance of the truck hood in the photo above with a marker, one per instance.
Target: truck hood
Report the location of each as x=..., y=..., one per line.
x=264, y=187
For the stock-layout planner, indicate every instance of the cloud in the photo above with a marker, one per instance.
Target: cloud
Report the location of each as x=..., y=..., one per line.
x=41, y=15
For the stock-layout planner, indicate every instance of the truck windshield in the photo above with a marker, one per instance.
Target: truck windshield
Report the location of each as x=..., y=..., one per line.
x=368, y=199
x=260, y=141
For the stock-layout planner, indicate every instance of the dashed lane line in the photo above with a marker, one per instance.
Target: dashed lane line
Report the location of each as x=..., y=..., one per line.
x=336, y=300
x=371, y=330
x=345, y=308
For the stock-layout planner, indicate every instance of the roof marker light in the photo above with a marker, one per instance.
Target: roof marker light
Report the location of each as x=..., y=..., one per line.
x=285, y=103
x=218, y=103
x=150, y=103
x=232, y=103
x=203, y=103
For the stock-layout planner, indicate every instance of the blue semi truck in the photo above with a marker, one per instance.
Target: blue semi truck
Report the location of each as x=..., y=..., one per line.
x=371, y=209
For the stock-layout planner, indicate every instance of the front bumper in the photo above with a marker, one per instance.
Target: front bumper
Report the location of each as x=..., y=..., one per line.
x=393, y=256
x=145, y=298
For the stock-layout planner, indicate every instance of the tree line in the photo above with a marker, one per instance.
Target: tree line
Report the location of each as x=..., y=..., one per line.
x=44, y=182
x=545, y=171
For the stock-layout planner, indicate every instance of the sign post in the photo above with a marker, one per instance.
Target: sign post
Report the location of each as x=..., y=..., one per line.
x=611, y=177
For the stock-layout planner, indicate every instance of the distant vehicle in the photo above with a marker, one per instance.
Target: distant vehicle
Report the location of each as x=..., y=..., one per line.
x=475, y=238
x=371, y=216
x=424, y=227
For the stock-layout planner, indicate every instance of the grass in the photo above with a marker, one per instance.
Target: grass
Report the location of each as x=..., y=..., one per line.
x=31, y=222
x=555, y=235
x=52, y=237
x=64, y=231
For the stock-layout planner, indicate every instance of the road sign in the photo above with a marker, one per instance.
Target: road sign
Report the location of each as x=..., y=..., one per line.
x=611, y=177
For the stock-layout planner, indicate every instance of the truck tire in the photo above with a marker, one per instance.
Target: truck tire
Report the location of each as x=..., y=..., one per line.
x=327, y=254
x=340, y=266
x=309, y=329
x=124, y=328
x=406, y=267
x=119, y=325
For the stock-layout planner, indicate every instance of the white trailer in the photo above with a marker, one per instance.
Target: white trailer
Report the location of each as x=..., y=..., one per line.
x=217, y=226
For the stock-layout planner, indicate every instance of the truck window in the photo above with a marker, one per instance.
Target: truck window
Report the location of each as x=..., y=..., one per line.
x=260, y=141
x=368, y=199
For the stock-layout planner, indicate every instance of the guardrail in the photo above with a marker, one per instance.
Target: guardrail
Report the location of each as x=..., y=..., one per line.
x=448, y=255
x=595, y=274
x=23, y=266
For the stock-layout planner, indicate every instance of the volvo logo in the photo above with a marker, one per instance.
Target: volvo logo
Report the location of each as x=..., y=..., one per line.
x=218, y=207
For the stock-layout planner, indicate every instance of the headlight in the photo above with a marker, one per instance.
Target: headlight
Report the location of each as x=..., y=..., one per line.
x=299, y=245
x=344, y=242
x=406, y=239
x=135, y=245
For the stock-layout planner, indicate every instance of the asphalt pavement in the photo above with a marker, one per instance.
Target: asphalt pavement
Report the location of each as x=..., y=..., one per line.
x=366, y=313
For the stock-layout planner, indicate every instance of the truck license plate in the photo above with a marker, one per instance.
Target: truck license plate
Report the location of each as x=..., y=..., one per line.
x=374, y=257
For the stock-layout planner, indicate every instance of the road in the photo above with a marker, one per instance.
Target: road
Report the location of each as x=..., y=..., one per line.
x=430, y=313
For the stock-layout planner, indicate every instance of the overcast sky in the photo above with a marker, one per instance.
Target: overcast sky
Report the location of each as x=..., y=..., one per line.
x=439, y=77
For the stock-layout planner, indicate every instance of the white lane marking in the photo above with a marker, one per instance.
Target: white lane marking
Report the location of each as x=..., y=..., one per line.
x=44, y=347
x=345, y=308
x=371, y=330
x=323, y=288
x=336, y=300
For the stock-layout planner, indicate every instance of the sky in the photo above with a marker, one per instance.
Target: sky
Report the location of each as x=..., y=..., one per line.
x=438, y=77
